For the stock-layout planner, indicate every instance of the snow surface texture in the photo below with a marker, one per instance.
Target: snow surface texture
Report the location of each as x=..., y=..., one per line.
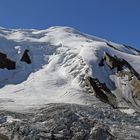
x=60, y=58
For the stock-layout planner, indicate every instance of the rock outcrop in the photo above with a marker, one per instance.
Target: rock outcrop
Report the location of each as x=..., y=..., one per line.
x=128, y=76
x=6, y=62
x=26, y=58
x=119, y=63
x=101, y=91
x=112, y=62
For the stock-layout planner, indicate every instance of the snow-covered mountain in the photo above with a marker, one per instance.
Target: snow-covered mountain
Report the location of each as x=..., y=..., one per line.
x=63, y=65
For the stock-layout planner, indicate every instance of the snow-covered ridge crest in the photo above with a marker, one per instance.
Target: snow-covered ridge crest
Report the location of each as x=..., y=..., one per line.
x=52, y=65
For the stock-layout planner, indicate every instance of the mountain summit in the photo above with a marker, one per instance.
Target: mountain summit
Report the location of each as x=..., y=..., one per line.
x=63, y=67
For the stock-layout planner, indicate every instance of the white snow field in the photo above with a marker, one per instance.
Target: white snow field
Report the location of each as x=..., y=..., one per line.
x=60, y=58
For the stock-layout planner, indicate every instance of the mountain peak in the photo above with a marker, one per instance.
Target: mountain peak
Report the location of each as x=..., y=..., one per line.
x=60, y=83
x=59, y=64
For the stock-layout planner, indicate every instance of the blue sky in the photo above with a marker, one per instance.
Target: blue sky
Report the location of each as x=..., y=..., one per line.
x=115, y=20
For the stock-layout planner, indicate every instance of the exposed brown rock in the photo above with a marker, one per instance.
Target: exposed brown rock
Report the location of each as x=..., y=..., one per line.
x=124, y=70
x=6, y=62
x=101, y=91
x=26, y=57
x=132, y=70
x=113, y=62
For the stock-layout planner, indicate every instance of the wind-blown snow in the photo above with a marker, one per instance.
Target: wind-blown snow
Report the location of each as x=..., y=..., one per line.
x=60, y=58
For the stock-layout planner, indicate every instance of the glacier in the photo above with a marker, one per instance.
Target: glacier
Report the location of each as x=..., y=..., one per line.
x=68, y=68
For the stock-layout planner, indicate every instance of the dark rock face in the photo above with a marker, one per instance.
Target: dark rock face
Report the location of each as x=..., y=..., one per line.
x=26, y=57
x=101, y=91
x=119, y=63
x=112, y=62
x=6, y=62
x=124, y=71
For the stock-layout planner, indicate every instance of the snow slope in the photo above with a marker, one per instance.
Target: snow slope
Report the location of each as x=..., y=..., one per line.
x=61, y=57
